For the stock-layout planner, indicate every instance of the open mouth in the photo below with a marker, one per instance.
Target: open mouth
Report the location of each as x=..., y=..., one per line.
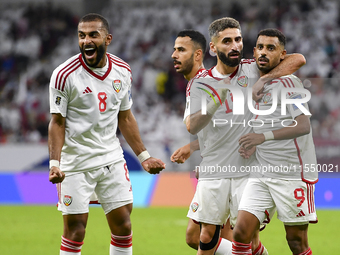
x=90, y=51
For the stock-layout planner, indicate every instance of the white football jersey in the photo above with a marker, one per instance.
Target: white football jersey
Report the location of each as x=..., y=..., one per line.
x=90, y=99
x=219, y=139
x=290, y=158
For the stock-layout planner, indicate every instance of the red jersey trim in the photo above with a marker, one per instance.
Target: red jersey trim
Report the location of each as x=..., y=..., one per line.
x=118, y=62
x=93, y=73
x=200, y=74
x=247, y=61
x=59, y=85
x=301, y=164
x=287, y=83
x=310, y=198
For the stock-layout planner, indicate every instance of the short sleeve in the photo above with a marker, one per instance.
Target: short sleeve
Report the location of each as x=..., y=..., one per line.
x=193, y=99
x=58, y=97
x=126, y=101
x=293, y=109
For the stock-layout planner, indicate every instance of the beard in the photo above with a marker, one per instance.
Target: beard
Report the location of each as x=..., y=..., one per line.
x=262, y=68
x=187, y=65
x=100, y=54
x=229, y=61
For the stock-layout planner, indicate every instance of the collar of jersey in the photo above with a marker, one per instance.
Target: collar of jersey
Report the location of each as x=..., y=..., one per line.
x=232, y=75
x=93, y=73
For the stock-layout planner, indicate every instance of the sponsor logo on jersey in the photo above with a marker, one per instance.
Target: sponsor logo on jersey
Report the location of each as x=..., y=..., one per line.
x=87, y=90
x=67, y=200
x=266, y=98
x=300, y=214
x=117, y=85
x=242, y=81
x=58, y=100
x=194, y=206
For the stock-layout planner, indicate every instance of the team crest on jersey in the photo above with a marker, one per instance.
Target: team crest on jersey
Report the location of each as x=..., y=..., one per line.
x=194, y=206
x=242, y=81
x=266, y=98
x=67, y=200
x=117, y=85
x=58, y=100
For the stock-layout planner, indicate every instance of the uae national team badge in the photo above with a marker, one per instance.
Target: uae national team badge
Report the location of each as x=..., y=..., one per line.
x=242, y=81
x=117, y=85
x=194, y=206
x=266, y=98
x=57, y=100
x=67, y=200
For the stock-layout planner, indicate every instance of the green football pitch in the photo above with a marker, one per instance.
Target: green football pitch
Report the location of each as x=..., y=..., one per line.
x=32, y=230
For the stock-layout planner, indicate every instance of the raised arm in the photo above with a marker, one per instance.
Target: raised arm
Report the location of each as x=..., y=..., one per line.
x=56, y=138
x=290, y=64
x=128, y=127
x=197, y=121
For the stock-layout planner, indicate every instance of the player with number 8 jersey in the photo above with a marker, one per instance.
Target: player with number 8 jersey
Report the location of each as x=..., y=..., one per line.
x=89, y=97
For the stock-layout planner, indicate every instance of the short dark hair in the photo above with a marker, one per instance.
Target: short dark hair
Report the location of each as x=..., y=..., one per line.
x=196, y=37
x=222, y=24
x=273, y=32
x=95, y=17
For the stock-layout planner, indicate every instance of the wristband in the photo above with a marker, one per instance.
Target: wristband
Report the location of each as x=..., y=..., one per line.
x=143, y=156
x=54, y=162
x=212, y=107
x=268, y=135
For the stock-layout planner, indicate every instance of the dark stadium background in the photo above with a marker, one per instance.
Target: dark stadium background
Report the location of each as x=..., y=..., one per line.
x=39, y=35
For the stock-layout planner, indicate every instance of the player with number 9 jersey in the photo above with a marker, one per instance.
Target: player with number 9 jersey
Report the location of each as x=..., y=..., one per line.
x=89, y=97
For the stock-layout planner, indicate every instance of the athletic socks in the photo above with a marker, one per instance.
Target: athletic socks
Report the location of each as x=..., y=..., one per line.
x=70, y=247
x=308, y=252
x=260, y=250
x=121, y=245
x=223, y=247
x=241, y=248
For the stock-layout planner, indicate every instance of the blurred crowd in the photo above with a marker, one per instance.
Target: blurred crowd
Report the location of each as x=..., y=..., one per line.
x=39, y=37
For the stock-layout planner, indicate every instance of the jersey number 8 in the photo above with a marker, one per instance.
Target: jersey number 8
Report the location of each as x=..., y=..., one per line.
x=102, y=101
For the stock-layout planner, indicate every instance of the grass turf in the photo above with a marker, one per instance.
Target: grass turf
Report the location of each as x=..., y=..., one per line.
x=32, y=230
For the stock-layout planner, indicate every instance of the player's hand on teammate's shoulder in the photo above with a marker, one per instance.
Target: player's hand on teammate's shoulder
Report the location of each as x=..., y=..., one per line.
x=257, y=89
x=153, y=165
x=56, y=175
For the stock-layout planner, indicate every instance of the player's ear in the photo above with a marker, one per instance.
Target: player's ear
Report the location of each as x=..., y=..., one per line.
x=212, y=47
x=198, y=54
x=108, y=39
x=283, y=54
x=254, y=52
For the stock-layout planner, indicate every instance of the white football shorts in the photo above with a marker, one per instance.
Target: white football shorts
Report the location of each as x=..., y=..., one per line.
x=216, y=199
x=111, y=184
x=293, y=200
